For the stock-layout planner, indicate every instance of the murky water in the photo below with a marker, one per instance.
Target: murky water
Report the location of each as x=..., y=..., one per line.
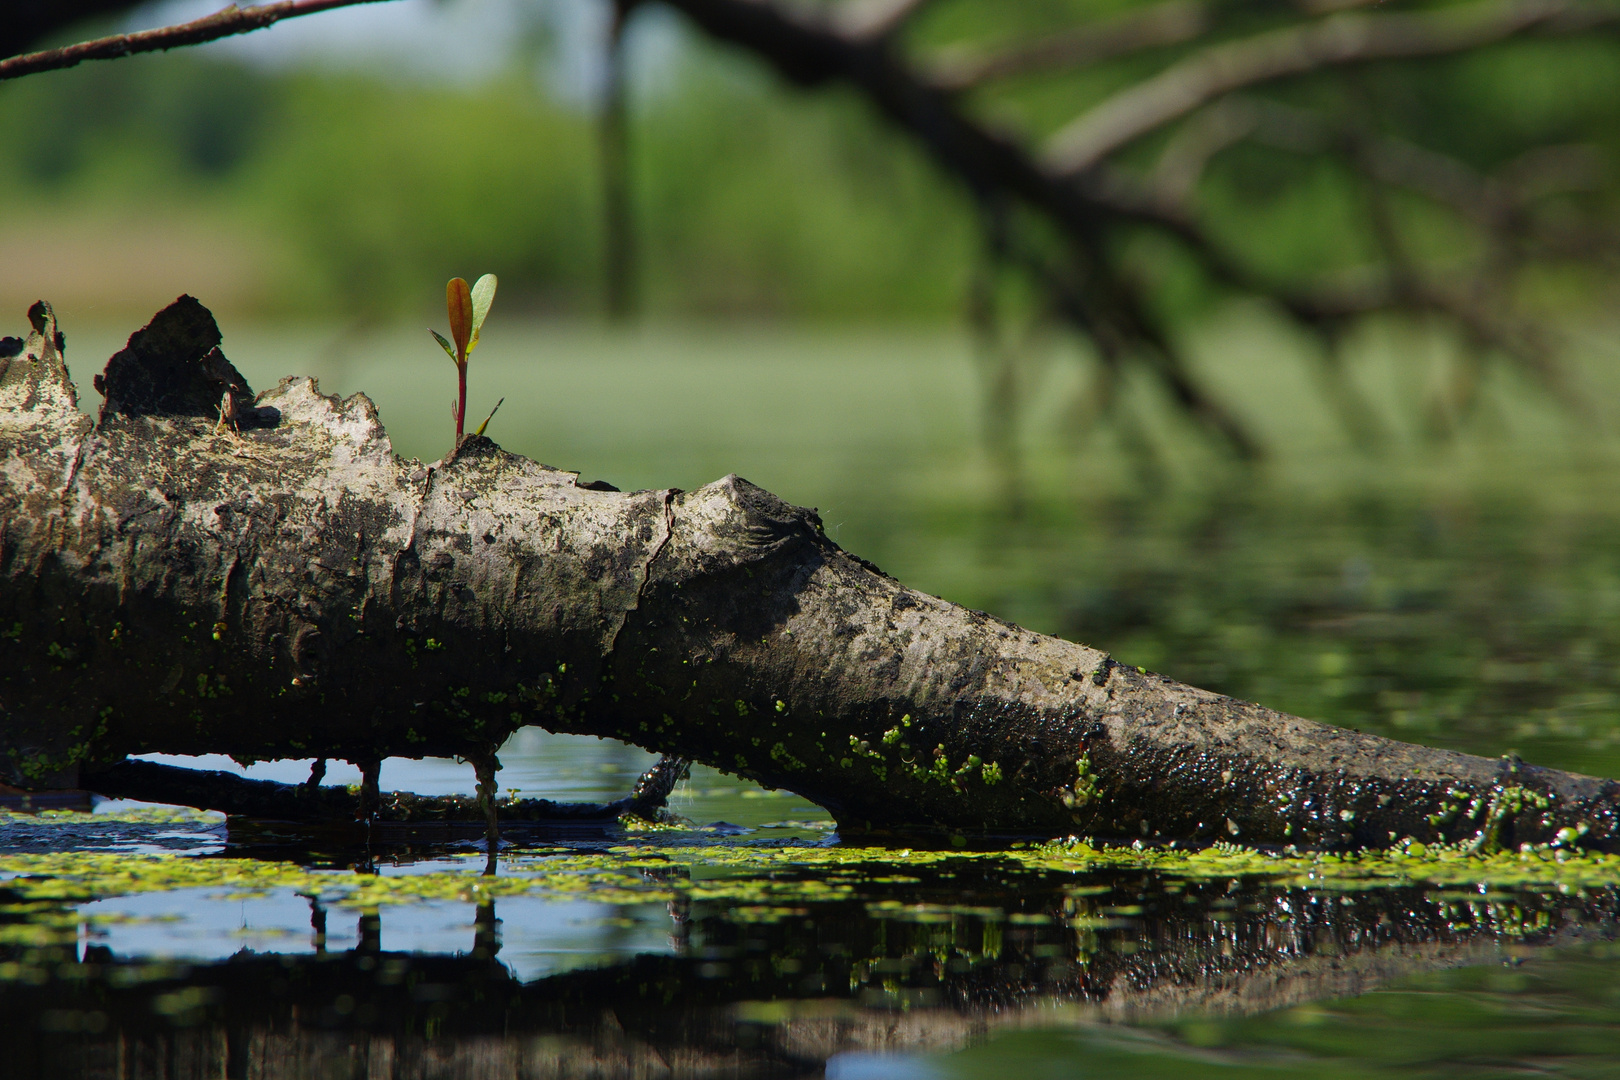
x=1465, y=597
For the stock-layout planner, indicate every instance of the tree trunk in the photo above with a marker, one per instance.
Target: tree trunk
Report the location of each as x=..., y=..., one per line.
x=618, y=210
x=296, y=590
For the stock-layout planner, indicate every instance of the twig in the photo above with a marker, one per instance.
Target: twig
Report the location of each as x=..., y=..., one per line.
x=873, y=20
x=1169, y=23
x=1181, y=164
x=1496, y=203
x=1117, y=320
x=1335, y=41
x=230, y=21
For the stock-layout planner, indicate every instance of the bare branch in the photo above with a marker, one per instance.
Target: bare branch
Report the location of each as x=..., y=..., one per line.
x=1496, y=203
x=1114, y=314
x=1175, y=176
x=28, y=21
x=872, y=20
x=1324, y=309
x=1392, y=161
x=1169, y=23
x=1548, y=170
x=1525, y=342
x=618, y=209
x=1090, y=203
x=996, y=164
x=230, y=21
x=1335, y=41
x=1404, y=275
x=1332, y=7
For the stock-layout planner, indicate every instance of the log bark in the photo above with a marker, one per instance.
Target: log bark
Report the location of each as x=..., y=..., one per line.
x=295, y=589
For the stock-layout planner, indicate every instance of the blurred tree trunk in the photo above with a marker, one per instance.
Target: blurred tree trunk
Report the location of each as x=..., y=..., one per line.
x=618, y=209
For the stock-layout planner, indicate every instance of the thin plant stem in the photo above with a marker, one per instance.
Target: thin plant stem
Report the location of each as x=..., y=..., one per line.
x=461, y=403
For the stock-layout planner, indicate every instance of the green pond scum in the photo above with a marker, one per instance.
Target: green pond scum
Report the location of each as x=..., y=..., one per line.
x=722, y=929
x=736, y=870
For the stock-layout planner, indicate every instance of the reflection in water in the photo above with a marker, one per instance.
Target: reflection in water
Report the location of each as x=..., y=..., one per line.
x=534, y=763
x=904, y=964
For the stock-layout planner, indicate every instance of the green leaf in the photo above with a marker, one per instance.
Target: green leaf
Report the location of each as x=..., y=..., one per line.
x=449, y=350
x=491, y=416
x=483, y=295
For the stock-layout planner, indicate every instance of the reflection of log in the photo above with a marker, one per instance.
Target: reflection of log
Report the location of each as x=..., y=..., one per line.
x=762, y=999
x=296, y=590
x=266, y=799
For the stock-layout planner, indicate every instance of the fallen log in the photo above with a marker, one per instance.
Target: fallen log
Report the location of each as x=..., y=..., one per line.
x=294, y=589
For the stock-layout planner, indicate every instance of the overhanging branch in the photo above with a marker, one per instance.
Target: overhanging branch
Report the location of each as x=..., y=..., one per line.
x=877, y=19
x=1076, y=184
x=1168, y=23
x=1338, y=40
x=231, y=21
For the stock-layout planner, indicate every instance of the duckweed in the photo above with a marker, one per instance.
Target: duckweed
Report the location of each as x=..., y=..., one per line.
x=658, y=864
x=1084, y=791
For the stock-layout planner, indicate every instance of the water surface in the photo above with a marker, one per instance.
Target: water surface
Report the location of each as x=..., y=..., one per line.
x=1463, y=594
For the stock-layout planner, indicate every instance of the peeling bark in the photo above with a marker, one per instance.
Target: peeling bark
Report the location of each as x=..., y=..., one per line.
x=298, y=590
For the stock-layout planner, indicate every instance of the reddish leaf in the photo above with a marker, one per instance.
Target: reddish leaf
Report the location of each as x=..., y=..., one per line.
x=458, y=298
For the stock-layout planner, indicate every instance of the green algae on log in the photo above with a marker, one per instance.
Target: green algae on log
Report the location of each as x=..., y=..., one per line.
x=294, y=589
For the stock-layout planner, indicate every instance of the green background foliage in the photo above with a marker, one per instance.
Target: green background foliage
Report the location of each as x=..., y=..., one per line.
x=353, y=194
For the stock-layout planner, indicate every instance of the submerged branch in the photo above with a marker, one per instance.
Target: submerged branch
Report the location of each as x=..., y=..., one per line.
x=150, y=781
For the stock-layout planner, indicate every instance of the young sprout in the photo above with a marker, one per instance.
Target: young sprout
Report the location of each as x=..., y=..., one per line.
x=490, y=417
x=468, y=309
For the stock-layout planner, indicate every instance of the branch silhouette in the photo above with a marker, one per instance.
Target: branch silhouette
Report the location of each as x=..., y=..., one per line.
x=1332, y=42
x=227, y=23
